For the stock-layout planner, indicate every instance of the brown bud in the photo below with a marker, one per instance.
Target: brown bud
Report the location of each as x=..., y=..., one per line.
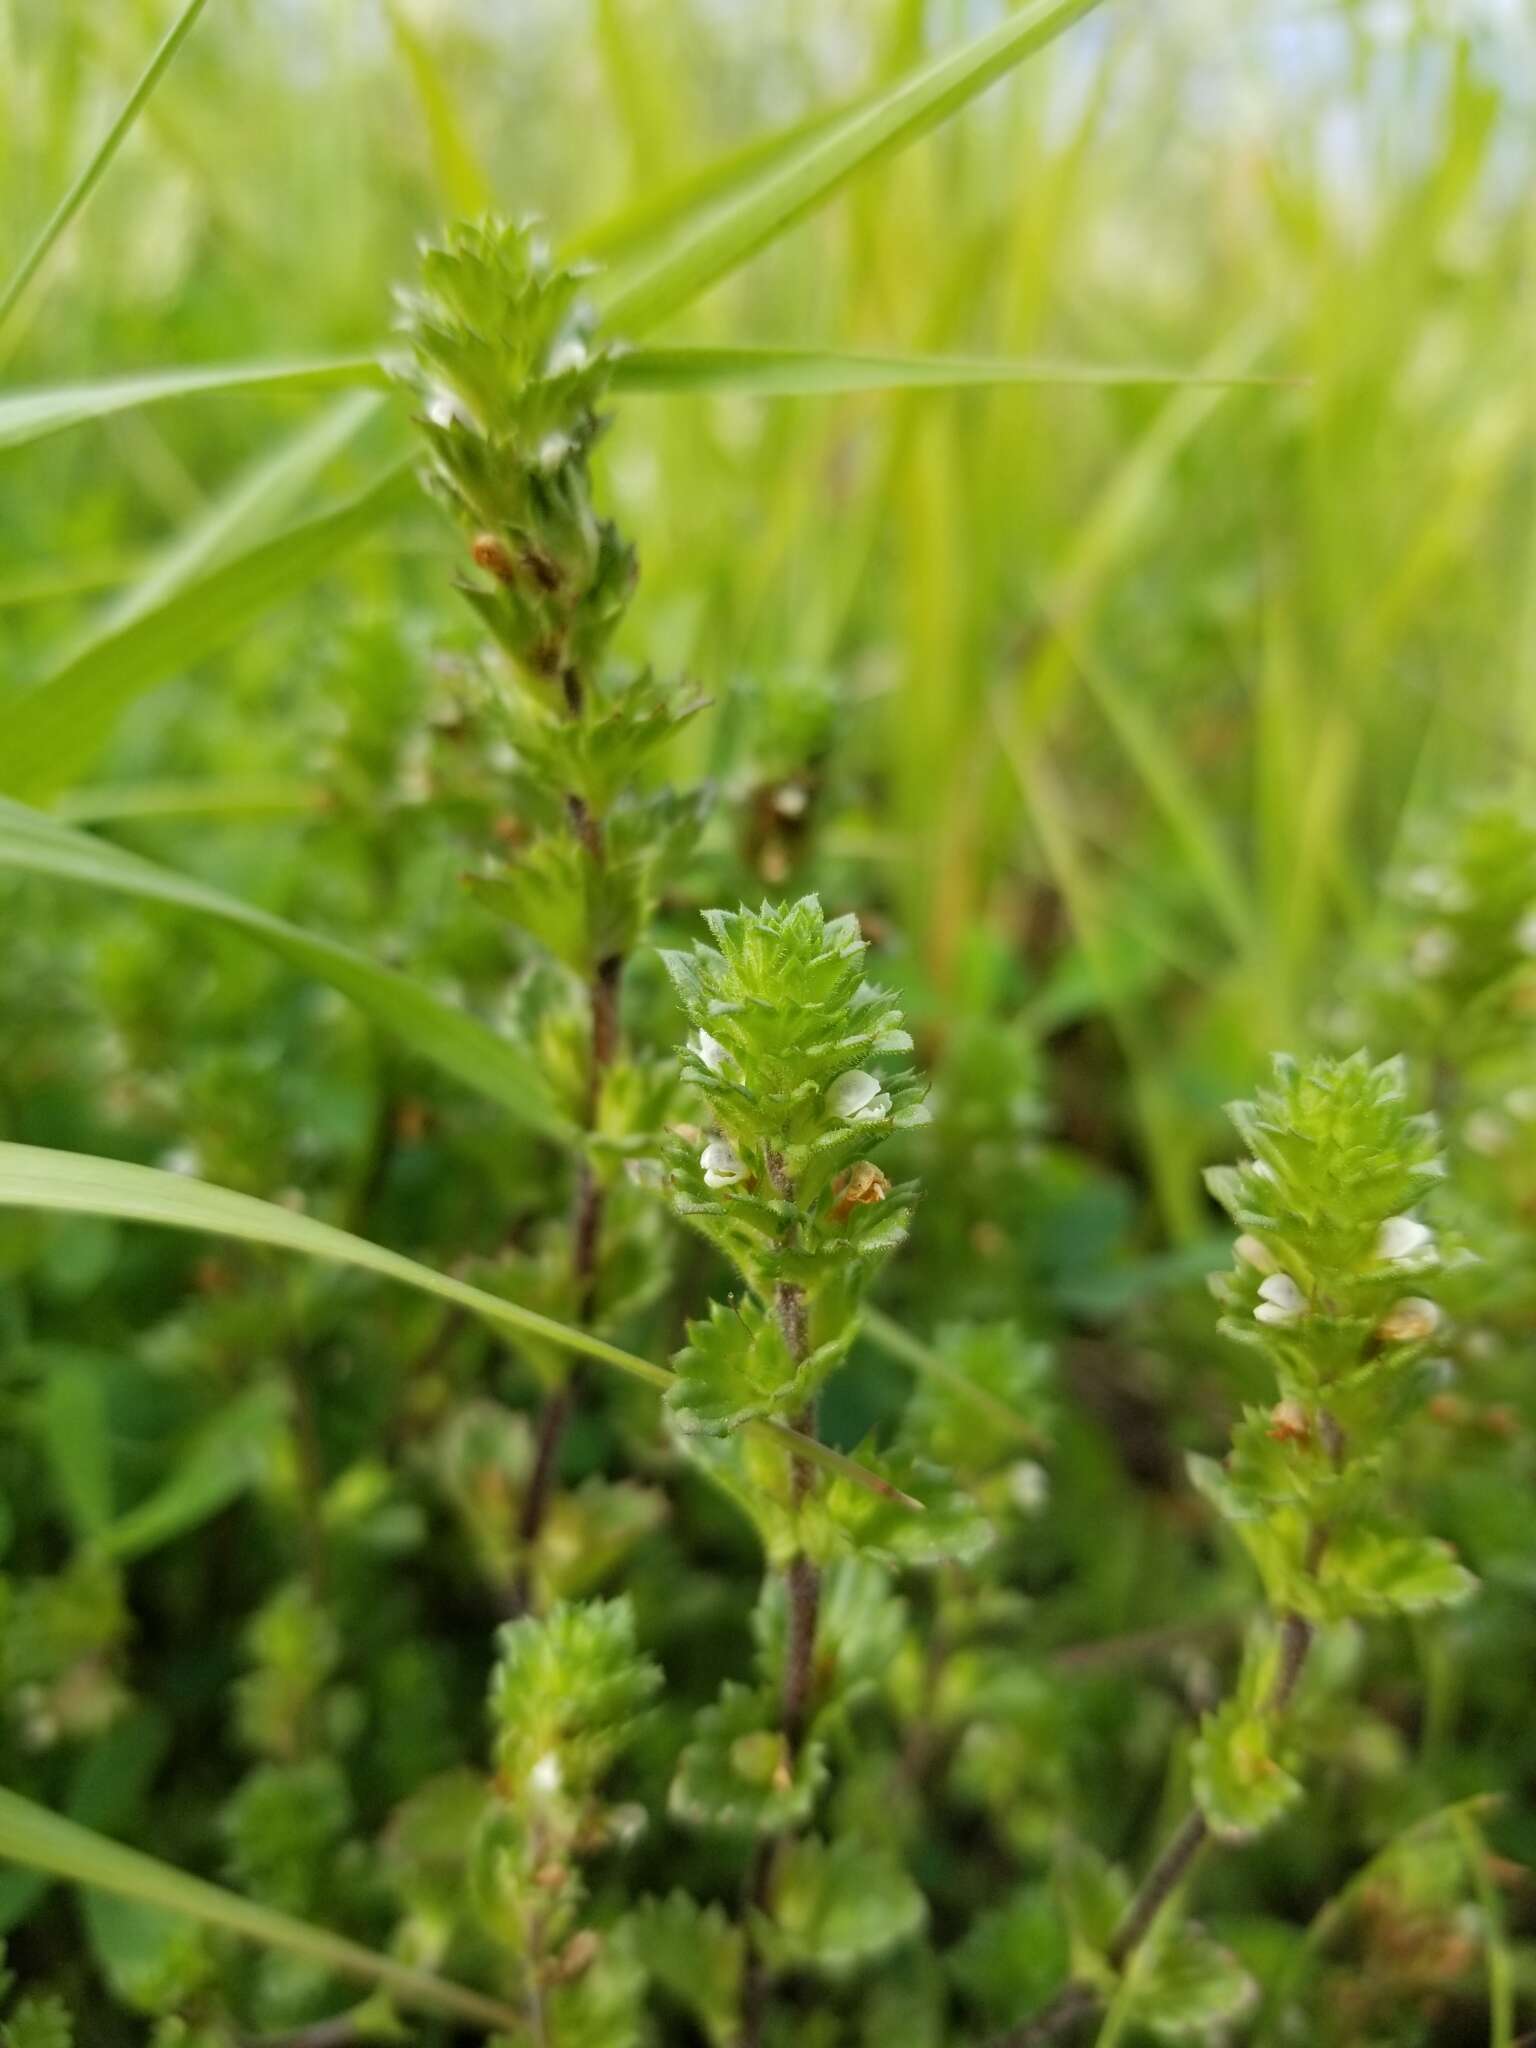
x=577, y=1957
x=495, y=556
x=862, y=1184
x=1289, y=1423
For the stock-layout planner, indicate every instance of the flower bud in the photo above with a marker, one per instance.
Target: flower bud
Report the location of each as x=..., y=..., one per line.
x=1409, y=1321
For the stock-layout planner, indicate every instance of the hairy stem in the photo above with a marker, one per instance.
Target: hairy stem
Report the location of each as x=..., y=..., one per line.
x=802, y=1583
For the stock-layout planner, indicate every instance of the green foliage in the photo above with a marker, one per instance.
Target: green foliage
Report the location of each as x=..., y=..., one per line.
x=837, y=1906
x=1102, y=692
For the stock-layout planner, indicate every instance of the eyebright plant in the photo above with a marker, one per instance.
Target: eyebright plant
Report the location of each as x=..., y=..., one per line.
x=1334, y=1284
x=509, y=379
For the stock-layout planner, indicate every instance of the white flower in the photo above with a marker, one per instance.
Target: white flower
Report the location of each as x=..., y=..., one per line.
x=858, y=1098
x=1486, y=1133
x=715, y=1056
x=1281, y=1301
x=1262, y=1168
x=1029, y=1486
x=1525, y=932
x=1409, y=1321
x=722, y=1164
x=553, y=450
x=566, y=356
x=545, y=1776
x=1521, y=1103
x=1401, y=1239
x=1255, y=1253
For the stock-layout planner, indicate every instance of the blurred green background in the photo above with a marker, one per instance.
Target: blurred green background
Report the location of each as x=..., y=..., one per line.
x=1171, y=663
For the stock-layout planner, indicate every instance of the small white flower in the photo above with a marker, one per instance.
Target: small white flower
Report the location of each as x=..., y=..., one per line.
x=545, y=1776
x=568, y=355
x=715, y=1056
x=1401, y=1239
x=1432, y=952
x=1253, y=1252
x=1409, y=1321
x=182, y=1159
x=1525, y=932
x=1029, y=1486
x=1521, y=1104
x=1262, y=1168
x=1281, y=1301
x=553, y=450
x=722, y=1164
x=858, y=1098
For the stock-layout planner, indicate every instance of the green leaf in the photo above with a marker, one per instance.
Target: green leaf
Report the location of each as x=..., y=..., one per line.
x=219, y=1463
x=32, y=1836
x=1239, y=1783
x=435, y=1030
x=734, y=1366
x=737, y=1776
x=95, y=167
x=77, y=1435
x=106, y=1791
x=1188, y=1987
x=54, y=729
x=1367, y=1571
x=719, y=236
x=40, y=2021
x=152, y=1958
x=695, y=1954
x=1014, y=1955
x=758, y=372
x=1093, y=1895
x=52, y=409
x=568, y=1695
x=836, y=1906
x=951, y=1530
x=33, y=1177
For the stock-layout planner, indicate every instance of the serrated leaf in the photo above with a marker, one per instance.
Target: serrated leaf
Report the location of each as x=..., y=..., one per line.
x=847, y=1519
x=568, y=1695
x=1188, y=1987
x=695, y=1954
x=1367, y=1571
x=1239, y=1783
x=837, y=1906
x=736, y=1366
x=737, y=1776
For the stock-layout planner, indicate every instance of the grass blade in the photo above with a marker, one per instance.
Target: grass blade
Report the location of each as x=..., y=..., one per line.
x=54, y=729
x=448, y=1038
x=826, y=373
x=74, y=1183
x=461, y=178
x=712, y=241
x=33, y=415
x=32, y=1836
x=95, y=168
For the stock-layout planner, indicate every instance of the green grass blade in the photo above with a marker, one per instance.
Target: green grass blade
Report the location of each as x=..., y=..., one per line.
x=39, y=1840
x=715, y=239
x=249, y=510
x=33, y=415
x=73, y=1183
x=432, y=1029
x=461, y=178
x=86, y=183
x=827, y=373
x=54, y=730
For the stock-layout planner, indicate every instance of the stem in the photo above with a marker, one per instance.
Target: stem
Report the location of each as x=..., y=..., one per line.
x=1076, y=1999
x=803, y=1585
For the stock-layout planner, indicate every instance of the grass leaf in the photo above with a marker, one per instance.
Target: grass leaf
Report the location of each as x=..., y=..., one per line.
x=825, y=373
x=32, y=1836
x=74, y=1183
x=53, y=730
x=33, y=415
x=718, y=237
x=93, y=171
x=434, y=1030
